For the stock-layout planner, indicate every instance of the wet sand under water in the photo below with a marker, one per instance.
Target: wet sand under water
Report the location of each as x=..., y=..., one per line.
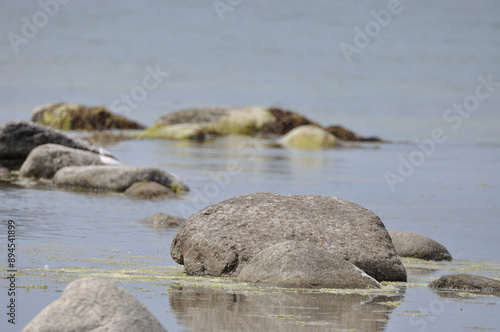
x=451, y=197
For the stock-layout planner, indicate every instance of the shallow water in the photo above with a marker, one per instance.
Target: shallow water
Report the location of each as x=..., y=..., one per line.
x=285, y=54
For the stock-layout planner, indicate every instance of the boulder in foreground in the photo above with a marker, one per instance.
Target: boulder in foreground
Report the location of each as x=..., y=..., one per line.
x=222, y=238
x=69, y=116
x=408, y=244
x=467, y=282
x=45, y=160
x=114, y=178
x=94, y=305
x=18, y=138
x=304, y=265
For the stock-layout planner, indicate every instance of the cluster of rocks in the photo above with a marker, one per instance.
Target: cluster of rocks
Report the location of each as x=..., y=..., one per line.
x=39, y=151
x=294, y=130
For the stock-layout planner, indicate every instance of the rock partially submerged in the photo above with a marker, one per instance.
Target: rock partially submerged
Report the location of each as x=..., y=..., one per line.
x=348, y=135
x=467, y=282
x=408, y=244
x=114, y=178
x=95, y=305
x=163, y=220
x=304, y=265
x=69, y=116
x=197, y=123
x=45, y=160
x=149, y=190
x=221, y=239
x=309, y=137
x=18, y=138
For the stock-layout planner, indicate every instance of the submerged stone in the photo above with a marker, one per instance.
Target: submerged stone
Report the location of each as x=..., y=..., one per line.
x=467, y=282
x=309, y=137
x=408, y=244
x=149, y=190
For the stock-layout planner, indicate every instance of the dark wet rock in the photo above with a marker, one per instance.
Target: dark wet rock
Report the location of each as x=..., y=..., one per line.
x=45, y=160
x=68, y=116
x=347, y=135
x=94, y=305
x=467, y=282
x=163, y=220
x=18, y=138
x=303, y=264
x=309, y=137
x=149, y=190
x=114, y=178
x=408, y=244
x=221, y=239
x=285, y=121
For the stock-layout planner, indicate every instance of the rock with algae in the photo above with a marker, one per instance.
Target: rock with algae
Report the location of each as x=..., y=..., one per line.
x=467, y=282
x=69, y=116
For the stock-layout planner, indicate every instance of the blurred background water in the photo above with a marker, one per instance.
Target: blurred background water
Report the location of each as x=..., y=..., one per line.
x=281, y=53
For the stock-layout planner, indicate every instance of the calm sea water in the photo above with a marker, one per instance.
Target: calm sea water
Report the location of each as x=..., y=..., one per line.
x=427, y=58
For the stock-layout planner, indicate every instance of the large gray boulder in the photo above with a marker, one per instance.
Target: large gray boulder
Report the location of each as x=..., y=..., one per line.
x=94, y=305
x=18, y=138
x=467, y=282
x=45, y=160
x=303, y=264
x=114, y=178
x=221, y=239
x=408, y=244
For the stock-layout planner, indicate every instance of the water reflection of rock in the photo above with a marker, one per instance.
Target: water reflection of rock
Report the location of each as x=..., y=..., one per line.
x=210, y=310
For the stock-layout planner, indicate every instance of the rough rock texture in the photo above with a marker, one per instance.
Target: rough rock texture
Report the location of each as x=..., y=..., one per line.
x=96, y=305
x=348, y=135
x=45, y=160
x=408, y=244
x=18, y=138
x=308, y=137
x=114, y=178
x=68, y=116
x=222, y=238
x=303, y=264
x=149, y=190
x=163, y=220
x=467, y=282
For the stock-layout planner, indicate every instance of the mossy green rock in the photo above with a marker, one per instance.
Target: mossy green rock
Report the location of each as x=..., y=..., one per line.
x=309, y=137
x=181, y=131
x=198, y=123
x=69, y=116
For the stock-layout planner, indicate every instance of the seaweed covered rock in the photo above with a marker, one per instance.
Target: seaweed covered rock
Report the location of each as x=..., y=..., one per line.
x=114, y=178
x=467, y=282
x=149, y=190
x=348, y=135
x=18, y=138
x=45, y=160
x=408, y=244
x=68, y=116
x=305, y=265
x=95, y=305
x=197, y=123
x=222, y=238
x=309, y=137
